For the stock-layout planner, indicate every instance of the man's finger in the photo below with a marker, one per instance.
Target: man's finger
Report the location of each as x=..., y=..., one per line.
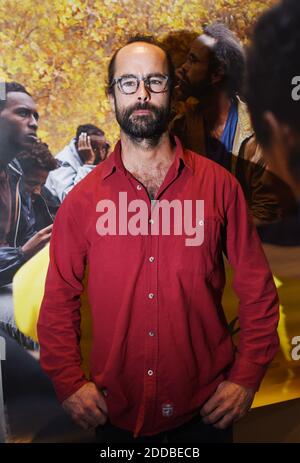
x=89, y=415
x=82, y=423
x=226, y=421
x=80, y=141
x=101, y=404
x=88, y=142
x=46, y=229
x=216, y=415
x=211, y=404
x=95, y=418
x=96, y=415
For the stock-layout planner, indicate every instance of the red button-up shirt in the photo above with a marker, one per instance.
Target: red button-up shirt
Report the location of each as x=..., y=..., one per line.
x=161, y=344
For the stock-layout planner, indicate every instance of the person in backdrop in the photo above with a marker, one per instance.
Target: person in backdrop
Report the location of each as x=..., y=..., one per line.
x=36, y=164
x=216, y=121
x=273, y=97
x=163, y=363
x=18, y=129
x=78, y=158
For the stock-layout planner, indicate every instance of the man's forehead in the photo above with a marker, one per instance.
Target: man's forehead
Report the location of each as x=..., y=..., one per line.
x=202, y=46
x=19, y=99
x=140, y=58
x=206, y=41
x=36, y=174
x=95, y=137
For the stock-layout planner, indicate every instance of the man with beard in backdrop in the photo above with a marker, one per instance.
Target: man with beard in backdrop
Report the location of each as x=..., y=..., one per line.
x=215, y=121
x=163, y=365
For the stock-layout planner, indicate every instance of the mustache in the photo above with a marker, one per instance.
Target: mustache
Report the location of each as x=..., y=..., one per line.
x=181, y=76
x=145, y=105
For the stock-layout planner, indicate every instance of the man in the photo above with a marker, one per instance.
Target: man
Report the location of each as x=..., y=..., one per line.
x=162, y=359
x=36, y=164
x=217, y=123
x=273, y=95
x=78, y=158
x=18, y=127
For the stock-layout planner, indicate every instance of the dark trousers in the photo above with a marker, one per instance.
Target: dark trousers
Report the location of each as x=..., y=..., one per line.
x=194, y=431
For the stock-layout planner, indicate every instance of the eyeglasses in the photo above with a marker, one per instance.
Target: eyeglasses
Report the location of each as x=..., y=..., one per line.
x=129, y=84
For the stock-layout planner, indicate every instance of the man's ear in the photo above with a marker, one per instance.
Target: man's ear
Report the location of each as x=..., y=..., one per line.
x=111, y=98
x=217, y=76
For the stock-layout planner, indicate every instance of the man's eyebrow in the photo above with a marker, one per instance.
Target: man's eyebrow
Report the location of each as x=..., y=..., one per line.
x=127, y=75
x=155, y=74
x=26, y=108
x=22, y=107
x=192, y=55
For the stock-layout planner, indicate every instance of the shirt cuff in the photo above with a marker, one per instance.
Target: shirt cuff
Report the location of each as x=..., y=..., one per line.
x=64, y=392
x=246, y=374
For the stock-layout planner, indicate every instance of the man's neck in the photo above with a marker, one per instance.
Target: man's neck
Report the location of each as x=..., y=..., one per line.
x=6, y=156
x=216, y=109
x=144, y=155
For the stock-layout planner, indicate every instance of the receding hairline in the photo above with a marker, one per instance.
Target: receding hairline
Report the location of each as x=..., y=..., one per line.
x=206, y=40
x=15, y=94
x=139, y=44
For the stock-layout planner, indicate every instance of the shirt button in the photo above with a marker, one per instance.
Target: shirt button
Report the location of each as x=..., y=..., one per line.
x=104, y=392
x=138, y=187
x=150, y=372
x=151, y=295
x=151, y=333
x=201, y=222
x=151, y=259
x=151, y=221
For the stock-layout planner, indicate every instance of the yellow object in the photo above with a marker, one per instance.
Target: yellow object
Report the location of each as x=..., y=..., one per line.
x=28, y=292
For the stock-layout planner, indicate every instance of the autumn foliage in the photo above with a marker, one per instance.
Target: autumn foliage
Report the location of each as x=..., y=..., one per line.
x=59, y=49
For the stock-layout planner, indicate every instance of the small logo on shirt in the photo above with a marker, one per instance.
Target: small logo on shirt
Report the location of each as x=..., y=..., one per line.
x=167, y=410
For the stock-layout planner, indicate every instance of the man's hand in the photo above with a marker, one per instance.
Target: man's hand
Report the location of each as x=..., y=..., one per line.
x=37, y=242
x=229, y=403
x=85, y=150
x=87, y=406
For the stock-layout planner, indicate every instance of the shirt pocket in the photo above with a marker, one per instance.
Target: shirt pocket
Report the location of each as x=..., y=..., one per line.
x=208, y=256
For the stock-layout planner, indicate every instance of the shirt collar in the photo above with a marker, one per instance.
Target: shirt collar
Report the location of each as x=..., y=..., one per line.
x=114, y=161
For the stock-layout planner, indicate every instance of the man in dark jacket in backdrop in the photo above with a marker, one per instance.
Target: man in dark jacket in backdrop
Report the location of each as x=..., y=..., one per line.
x=18, y=127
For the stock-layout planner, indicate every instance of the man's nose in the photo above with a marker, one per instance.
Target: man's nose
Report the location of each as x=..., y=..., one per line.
x=33, y=122
x=144, y=93
x=37, y=190
x=181, y=71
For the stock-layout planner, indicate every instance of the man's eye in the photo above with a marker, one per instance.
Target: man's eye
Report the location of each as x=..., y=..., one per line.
x=129, y=83
x=156, y=81
x=191, y=59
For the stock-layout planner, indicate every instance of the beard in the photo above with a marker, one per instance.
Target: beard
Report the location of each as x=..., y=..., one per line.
x=201, y=89
x=144, y=127
x=204, y=89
